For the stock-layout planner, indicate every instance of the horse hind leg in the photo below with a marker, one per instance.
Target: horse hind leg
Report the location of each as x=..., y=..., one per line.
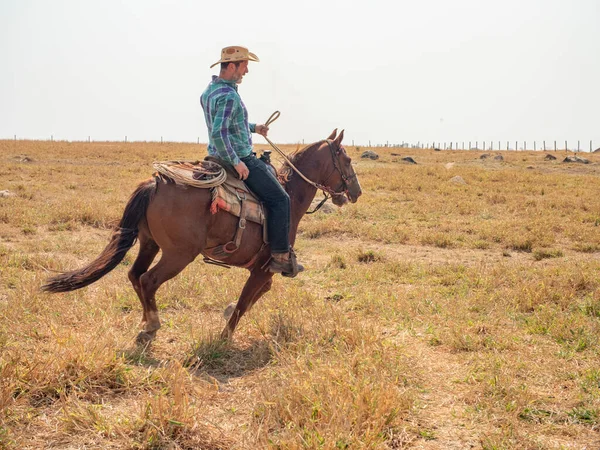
x=171, y=263
x=146, y=254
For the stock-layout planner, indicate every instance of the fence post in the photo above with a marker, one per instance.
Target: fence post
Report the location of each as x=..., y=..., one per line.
x=544, y=145
x=483, y=146
x=476, y=144
x=51, y=138
x=15, y=137
x=492, y=146
x=369, y=143
x=566, y=146
x=516, y=146
x=524, y=145
x=554, y=145
x=578, y=146
x=125, y=138
x=499, y=148
x=507, y=146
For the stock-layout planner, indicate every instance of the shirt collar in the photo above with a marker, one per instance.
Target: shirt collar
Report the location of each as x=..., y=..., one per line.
x=216, y=80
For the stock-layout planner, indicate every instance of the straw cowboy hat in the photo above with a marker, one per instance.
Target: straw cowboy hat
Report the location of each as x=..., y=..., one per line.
x=236, y=53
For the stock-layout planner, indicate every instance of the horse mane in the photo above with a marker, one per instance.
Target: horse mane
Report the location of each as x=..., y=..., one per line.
x=285, y=172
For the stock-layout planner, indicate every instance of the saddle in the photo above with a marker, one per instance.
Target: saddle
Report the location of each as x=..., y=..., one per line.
x=228, y=193
x=234, y=197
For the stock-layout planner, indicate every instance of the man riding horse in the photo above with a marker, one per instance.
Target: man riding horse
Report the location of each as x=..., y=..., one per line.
x=179, y=221
x=230, y=139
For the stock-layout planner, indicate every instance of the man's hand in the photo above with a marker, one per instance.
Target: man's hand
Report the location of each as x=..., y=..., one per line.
x=262, y=130
x=242, y=169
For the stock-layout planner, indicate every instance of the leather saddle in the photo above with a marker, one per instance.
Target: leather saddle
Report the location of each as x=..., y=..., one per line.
x=234, y=197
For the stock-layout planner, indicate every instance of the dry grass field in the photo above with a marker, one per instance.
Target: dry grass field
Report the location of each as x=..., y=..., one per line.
x=434, y=314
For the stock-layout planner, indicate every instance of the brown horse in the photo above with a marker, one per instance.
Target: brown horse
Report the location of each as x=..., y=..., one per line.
x=177, y=220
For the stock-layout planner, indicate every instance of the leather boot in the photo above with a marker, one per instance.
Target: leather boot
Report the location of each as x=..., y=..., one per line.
x=285, y=264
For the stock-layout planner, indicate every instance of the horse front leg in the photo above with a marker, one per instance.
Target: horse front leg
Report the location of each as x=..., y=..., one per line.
x=256, y=286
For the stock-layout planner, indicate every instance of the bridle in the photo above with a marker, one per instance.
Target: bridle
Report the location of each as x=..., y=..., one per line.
x=335, y=157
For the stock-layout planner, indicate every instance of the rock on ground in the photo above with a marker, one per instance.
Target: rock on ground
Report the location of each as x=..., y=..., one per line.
x=576, y=159
x=458, y=180
x=370, y=154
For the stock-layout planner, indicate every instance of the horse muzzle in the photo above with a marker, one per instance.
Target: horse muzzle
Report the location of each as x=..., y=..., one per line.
x=354, y=191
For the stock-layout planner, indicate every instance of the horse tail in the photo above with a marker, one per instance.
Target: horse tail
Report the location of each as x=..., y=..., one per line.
x=122, y=239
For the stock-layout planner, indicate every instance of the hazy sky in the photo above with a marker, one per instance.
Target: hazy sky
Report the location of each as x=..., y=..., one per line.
x=435, y=70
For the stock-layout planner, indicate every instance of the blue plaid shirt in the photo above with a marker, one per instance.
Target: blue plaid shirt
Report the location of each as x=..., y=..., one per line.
x=229, y=133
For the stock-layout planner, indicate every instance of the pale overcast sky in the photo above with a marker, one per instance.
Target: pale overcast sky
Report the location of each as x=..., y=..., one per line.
x=386, y=71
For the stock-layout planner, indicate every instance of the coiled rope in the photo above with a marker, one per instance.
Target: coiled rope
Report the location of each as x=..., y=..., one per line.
x=200, y=174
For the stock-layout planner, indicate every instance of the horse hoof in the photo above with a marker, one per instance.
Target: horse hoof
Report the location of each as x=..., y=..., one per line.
x=145, y=337
x=226, y=335
x=229, y=311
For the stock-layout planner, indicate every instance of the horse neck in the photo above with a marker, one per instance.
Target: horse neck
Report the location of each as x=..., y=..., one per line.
x=302, y=193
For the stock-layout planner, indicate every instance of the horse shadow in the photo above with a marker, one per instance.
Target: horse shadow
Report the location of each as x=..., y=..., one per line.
x=223, y=360
x=210, y=358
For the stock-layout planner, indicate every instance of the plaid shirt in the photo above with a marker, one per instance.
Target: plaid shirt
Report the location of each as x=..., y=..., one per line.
x=229, y=133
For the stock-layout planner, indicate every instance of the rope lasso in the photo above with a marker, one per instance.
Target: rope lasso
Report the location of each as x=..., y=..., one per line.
x=208, y=174
x=326, y=191
x=269, y=121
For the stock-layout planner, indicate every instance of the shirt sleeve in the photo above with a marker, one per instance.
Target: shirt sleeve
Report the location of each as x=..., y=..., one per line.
x=252, y=127
x=220, y=130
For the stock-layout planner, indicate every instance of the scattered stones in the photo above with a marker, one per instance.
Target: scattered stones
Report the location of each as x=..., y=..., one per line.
x=485, y=156
x=435, y=149
x=499, y=158
x=23, y=158
x=449, y=165
x=7, y=193
x=530, y=167
x=549, y=157
x=576, y=159
x=409, y=160
x=370, y=154
x=458, y=180
x=597, y=150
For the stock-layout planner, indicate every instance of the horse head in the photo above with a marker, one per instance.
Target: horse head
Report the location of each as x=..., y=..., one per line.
x=338, y=174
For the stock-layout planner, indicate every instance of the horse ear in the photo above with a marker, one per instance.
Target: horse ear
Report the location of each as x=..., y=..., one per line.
x=338, y=140
x=332, y=135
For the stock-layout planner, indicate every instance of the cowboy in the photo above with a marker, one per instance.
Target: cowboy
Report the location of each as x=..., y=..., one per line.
x=230, y=139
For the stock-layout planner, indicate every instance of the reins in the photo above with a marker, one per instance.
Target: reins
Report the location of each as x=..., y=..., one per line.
x=327, y=191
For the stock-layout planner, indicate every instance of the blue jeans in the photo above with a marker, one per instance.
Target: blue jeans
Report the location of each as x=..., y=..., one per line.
x=277, y=202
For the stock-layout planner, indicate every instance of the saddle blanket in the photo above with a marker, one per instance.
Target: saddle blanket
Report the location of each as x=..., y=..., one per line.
x=228, y=197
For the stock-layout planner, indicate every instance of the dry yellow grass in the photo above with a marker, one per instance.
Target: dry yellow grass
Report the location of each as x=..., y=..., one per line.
x=434, y=314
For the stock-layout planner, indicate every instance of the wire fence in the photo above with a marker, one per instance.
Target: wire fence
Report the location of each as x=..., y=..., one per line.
x=436, y=145
x=579, y=146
